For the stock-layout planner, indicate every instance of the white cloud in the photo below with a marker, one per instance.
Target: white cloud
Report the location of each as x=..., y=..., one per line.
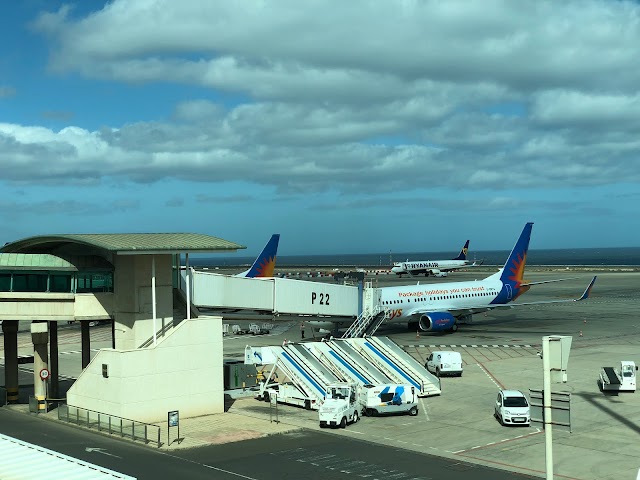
x=356, y=95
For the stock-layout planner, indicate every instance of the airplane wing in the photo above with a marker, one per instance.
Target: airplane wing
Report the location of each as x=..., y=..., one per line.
x=485, y=308
x=527, y=284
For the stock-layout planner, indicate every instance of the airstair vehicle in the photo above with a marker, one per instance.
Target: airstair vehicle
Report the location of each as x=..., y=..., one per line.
x=350, y=364
x=306, y=377
x=309, y=368
x=397, y=364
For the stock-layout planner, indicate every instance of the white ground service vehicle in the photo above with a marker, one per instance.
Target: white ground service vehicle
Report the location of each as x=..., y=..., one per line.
x=619, y=379
x=389, y=399
x=444, y=363
x=341, y=405
x=512, y=408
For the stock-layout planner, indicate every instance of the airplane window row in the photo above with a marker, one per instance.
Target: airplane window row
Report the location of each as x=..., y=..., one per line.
x=445, y=297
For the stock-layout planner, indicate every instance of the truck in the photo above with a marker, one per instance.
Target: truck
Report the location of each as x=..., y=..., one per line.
x=389, y=399
x=341, y=405
x=619, y=379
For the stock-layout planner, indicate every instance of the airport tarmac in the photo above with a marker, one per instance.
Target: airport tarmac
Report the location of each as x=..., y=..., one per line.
x=499, y=351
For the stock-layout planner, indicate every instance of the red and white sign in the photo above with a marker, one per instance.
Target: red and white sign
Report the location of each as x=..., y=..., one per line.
x=44, y=374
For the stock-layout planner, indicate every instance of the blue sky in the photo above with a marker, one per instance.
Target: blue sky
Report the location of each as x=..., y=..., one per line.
x=344, y=126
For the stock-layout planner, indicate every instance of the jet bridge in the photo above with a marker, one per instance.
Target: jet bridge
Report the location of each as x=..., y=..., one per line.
x=274, y=295
x=397, y=364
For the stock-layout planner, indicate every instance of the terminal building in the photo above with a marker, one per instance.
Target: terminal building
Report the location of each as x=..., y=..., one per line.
x=165, y=355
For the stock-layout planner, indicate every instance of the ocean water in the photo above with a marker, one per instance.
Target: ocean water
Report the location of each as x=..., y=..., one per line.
x=580, y=256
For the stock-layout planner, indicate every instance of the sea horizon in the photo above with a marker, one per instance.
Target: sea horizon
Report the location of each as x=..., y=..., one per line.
x=618, y=256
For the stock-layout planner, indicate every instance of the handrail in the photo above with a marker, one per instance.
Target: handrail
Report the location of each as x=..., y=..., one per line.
x=103, y=422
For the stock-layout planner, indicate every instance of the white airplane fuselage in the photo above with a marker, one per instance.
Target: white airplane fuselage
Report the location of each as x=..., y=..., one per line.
x=404, y=301
x=428, y=267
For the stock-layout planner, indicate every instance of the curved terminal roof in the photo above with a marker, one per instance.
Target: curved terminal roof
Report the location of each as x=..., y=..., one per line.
x=124, y=243
x=46, y=262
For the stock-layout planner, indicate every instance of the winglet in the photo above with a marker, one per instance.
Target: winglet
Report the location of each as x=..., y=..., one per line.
x=587, y=292
x=463, y=252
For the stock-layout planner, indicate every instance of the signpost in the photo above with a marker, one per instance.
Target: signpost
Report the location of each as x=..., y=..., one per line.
x=560, y=405
x=173, y=420
x=555, y=357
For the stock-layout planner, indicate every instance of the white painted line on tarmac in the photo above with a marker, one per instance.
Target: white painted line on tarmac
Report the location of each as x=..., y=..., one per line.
x=488, y=375
x=424, y=408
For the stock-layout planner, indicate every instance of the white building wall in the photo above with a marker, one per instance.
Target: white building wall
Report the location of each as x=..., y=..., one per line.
x=133, y=309
x=182, y=372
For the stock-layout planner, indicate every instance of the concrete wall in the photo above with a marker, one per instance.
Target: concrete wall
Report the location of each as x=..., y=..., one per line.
x=93, y=306
x=133, y=313
x=55, y=306
x=36, y=306
x=182, y=372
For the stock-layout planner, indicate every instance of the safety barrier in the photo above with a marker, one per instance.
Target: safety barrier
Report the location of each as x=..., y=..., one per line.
x=112, y=424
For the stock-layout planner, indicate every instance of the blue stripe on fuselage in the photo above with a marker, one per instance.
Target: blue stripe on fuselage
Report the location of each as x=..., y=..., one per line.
x=395, y=367
x=297, y=367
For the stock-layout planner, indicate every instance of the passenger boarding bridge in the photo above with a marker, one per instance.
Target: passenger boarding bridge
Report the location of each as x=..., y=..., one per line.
x=358, y=305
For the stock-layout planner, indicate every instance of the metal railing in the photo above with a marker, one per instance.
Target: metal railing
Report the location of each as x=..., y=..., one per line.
x=112, y=424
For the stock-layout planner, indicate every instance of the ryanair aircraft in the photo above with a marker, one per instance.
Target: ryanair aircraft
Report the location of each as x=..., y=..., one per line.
x=437, y=268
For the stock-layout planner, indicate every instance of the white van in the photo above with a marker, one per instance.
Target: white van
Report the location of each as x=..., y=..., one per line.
x=389, y=399
x=444, y=363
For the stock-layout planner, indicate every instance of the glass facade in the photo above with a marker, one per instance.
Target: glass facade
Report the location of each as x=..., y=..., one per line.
x=58, y=282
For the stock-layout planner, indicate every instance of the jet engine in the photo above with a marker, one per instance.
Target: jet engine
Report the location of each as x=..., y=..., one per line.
x=437, y=321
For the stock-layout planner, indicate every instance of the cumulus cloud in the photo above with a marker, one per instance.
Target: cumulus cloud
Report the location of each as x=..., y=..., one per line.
x=352, y=96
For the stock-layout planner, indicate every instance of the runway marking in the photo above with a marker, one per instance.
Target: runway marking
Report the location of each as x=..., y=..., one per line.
x=208, y=466
x=500, y=442
x=424, y=408
x=493, y=379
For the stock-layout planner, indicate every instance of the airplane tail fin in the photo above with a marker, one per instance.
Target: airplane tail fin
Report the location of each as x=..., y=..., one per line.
x=513, y=270
x=463, y=252
x=264, y=265
x=587, y=292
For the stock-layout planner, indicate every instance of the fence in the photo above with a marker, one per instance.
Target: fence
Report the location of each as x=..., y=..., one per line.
x=114, y=425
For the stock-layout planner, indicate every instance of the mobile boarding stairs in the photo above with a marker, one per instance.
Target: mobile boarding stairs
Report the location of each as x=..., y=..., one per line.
x=305, y=370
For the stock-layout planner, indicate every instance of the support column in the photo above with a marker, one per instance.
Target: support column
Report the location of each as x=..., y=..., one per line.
x=53, y=341
x=40, y=338
x=86, y=343
x=10, y=330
